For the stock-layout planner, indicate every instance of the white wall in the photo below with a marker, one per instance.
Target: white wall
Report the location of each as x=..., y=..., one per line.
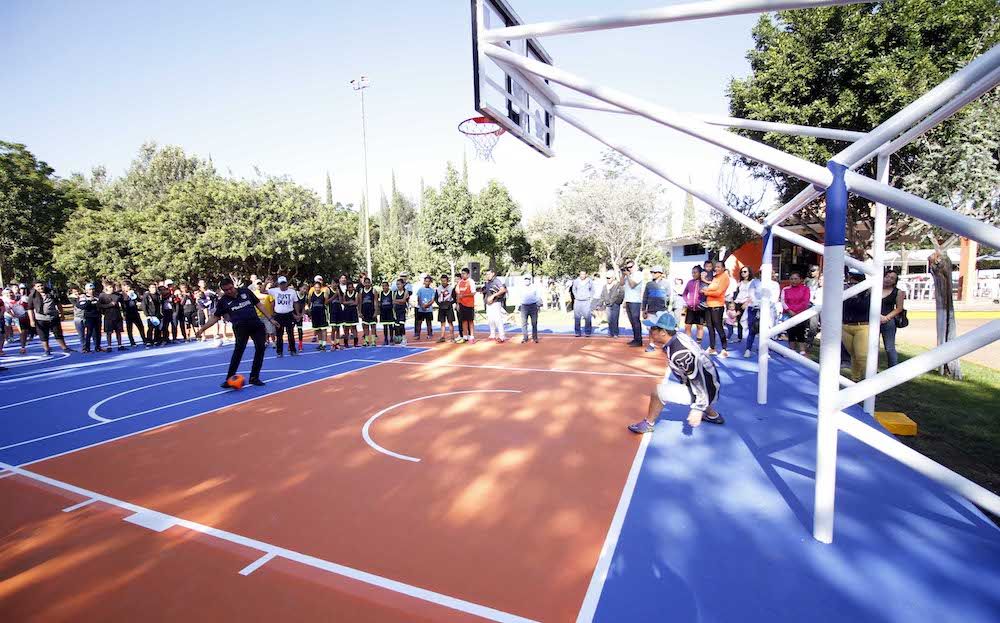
x=680, y=264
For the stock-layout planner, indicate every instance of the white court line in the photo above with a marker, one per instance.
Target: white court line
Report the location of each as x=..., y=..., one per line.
x=555, y=370
x=70, y=509
x=23, y=361
x=596, y=587
x=130, y=379
x=317, y=563
x=371, y=420
x=92, y=411
x=126, y=417
x=257, y=564
x=374, y=362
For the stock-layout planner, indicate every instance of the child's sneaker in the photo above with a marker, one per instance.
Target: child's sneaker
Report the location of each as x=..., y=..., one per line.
x=641, y=427
x=650, y=348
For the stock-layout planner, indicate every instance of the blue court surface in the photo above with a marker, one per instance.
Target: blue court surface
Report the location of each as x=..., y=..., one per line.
x=716, y=529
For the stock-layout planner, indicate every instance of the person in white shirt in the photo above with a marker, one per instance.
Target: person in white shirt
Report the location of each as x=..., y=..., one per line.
x=633, y=285
x=583, y=296
x=531, y=302
x=756, y=291
x=285, y=317
x=741, y=296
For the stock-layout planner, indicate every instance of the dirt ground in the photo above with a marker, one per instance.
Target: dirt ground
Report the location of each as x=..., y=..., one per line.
x=921, y=332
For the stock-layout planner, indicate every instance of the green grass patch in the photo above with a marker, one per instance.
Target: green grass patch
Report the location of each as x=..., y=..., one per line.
x=958, y=422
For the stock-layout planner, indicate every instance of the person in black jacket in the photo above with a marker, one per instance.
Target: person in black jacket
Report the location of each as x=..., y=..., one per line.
x=87, y=303
x=130, y=306
x=110, y=303
x=152, y=306
x=241, y=306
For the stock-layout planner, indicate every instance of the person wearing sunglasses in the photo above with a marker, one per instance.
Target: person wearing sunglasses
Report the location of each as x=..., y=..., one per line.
x=742, y=299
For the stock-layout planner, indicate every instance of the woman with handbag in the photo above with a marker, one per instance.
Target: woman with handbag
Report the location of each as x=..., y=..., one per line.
x=893, y=315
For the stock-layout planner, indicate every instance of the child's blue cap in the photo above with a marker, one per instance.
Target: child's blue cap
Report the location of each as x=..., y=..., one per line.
x=665, y=321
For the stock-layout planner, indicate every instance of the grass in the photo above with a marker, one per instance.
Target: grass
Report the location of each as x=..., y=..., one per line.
x=958, y=422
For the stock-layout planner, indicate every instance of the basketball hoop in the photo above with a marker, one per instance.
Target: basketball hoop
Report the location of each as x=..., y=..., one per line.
x=484, y=134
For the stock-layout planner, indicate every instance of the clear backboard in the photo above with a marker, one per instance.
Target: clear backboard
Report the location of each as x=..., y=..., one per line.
x=504, y=93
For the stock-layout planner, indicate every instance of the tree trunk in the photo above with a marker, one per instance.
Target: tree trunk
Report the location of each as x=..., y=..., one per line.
x=940, y=268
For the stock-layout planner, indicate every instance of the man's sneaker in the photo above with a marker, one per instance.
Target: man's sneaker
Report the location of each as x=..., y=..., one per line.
x=279, y=354
x=711, y=351
x=536, y=340
x=122, y=348
x=724, y=353
x=225, y=385
x=459, y=340
x=718, y=419
x=524, y=340
x=256, y=381
x=746, y=354
x=441, y=340
x=641, y=427
x=293, y=353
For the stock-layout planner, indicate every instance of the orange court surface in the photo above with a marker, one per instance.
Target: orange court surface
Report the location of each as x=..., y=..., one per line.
x=464, y=483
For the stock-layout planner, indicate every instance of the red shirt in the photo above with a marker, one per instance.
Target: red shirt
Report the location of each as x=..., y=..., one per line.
x=466, y=293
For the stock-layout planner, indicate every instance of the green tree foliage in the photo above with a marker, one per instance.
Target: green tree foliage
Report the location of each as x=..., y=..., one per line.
x=34, y=207
x=329, y=190
x=689, y=224
x=495, y=221
x=853, y=67
x=391, y=255
x=172, y=216
x=613, y=208
x=443, y=223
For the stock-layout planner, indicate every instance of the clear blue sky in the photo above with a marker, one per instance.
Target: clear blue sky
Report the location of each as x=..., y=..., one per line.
x=266, y=84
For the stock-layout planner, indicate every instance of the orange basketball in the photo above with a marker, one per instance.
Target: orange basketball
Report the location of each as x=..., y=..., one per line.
x=235, y=381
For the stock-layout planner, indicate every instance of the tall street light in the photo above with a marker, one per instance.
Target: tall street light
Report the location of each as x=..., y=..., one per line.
x=359, y=85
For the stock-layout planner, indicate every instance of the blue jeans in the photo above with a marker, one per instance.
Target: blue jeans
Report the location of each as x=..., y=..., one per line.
x=888, y=331
x=613, y=312
x=752, y=316
x=633, y=310
x=581, y=310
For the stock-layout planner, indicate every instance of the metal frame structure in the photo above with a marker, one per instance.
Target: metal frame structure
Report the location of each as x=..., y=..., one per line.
x=836, y=181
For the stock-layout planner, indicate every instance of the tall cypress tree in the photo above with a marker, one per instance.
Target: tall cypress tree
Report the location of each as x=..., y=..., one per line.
x=329, y=190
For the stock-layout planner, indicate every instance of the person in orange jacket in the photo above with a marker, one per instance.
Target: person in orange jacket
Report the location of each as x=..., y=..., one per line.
x=715, y=304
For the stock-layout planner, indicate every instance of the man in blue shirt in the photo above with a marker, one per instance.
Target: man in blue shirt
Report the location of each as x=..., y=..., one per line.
x=583, y=295
x=425, y=309
x=654, y=299
x=241, y=306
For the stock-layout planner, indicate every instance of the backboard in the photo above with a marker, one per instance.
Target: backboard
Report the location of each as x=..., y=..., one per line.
x=504, y=93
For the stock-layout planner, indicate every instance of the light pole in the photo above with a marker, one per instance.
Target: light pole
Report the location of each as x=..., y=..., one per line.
x=359, y=85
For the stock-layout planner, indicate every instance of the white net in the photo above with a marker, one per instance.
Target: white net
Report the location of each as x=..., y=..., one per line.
x=484, y=134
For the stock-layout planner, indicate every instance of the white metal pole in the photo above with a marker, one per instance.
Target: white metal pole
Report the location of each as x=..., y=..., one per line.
x=829, y=355
x=878, y=261
x=911, y=458
x=796, y=203
x=807, y=362
x=924, y=105
x=943, y=113
x=800, y=317
x=649, y=164
x=776, y=158
x=764, y=314
x=674, y=13
x=924, y=362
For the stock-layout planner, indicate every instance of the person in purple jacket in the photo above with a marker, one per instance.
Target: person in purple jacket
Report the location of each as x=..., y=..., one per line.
x=695, y=314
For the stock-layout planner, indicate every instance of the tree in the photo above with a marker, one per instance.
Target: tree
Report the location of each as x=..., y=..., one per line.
x=853, y=67
x=689, y=224
x=494, y=221
x=616, y=210
x=443, y=222
x=329, y=190
x=34, y=208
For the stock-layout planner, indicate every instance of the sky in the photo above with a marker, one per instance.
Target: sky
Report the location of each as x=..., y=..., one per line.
x=266, y=86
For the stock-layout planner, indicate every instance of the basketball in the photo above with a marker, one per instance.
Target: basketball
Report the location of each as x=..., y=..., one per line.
x=235, y=381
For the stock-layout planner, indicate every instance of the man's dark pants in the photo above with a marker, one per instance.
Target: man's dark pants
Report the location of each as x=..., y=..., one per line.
x=633, y=309
x=248, y=331
x=286, y=324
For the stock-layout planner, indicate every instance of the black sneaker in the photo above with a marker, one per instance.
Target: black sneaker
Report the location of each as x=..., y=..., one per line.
x=279, y=354
x=293, y=353
x=718, y=419
x=257, y=382
x=226, y=385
